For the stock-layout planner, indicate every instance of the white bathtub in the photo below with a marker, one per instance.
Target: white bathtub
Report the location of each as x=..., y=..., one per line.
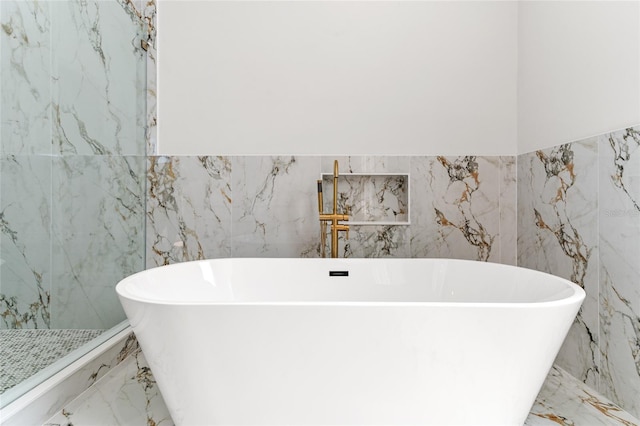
x=396, y=342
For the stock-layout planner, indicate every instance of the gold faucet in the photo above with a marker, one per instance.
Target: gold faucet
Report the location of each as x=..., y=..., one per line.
x=334, y=218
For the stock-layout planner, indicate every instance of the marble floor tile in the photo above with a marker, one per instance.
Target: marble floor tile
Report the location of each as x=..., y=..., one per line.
x=126, y=395
x=566, y=401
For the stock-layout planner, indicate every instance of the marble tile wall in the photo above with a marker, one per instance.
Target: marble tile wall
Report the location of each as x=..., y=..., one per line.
x=72, y=159
x=260, y=206
x=579, y=218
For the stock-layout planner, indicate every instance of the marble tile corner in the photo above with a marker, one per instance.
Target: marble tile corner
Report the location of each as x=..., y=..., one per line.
x=557, y=233
x=619, y=233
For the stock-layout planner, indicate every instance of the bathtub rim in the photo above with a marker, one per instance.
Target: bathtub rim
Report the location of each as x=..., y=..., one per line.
x=578, y=295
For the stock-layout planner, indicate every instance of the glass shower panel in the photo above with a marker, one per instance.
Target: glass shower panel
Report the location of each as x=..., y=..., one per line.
x=72, y=171
x=25, y=220
x=25, y=78
x=98, y=81
x=98, y=100
x=25, y=148
x=98, y=237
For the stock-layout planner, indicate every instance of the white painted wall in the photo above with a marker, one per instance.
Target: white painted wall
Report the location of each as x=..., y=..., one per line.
x=409, y=78
x=578, y=70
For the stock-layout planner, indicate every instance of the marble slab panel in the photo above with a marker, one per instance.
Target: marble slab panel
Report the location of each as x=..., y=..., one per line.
x=619, y=224
x=98, y=236
x=557, y=233
x=188, y=209
x=98, y=74
x=275, y=210
x=25, y=87
x=455, y=207
x=25, y=241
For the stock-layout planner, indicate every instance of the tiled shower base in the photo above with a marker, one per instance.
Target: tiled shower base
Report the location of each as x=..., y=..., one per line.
x=128, y=395
x=24, y=352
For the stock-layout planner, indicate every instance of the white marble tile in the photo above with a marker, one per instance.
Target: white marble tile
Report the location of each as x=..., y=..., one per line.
x=99, y=73
x=508, y=234
x=189, y=201
x=619, y=220
x=455, y=207
x=126, y=395
x=25, y=239
x=25, y=98
x=98, y=236
x=565, y=401
x=375, y=241
x=557, y=233
x=275, y=209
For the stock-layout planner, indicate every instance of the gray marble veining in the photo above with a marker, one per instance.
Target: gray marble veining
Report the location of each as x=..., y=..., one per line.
x=97, y=236
x=456, y=203
x=98, y=74
x=188, y=209
x=508, y=233
x=25, y=46
x=25, y=238
x=275, y=206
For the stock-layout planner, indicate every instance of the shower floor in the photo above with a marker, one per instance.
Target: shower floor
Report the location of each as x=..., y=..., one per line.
x=24, y=352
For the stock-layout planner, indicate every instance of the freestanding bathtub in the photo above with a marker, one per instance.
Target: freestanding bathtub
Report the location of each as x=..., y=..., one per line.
x=349, y=341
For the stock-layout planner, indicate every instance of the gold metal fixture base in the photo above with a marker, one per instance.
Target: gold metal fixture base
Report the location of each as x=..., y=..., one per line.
x=334, y=218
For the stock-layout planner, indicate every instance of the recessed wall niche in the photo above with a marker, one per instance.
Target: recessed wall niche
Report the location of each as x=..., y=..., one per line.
x=370, y=198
